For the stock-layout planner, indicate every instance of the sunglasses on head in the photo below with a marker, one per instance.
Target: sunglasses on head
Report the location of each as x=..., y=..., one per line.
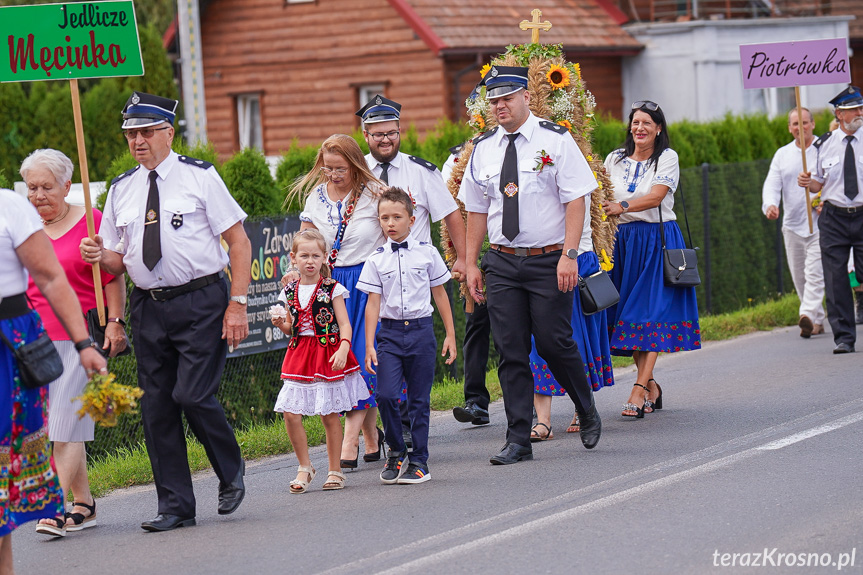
x=646, y=104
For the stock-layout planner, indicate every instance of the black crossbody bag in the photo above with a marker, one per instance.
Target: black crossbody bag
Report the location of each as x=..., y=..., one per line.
x=38, y=361
x=679, y=265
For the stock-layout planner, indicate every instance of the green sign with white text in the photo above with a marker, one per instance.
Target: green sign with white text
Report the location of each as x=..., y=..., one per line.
x=65, y=41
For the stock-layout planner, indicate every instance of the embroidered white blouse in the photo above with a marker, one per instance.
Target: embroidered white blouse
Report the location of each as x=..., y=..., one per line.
x=633, y=179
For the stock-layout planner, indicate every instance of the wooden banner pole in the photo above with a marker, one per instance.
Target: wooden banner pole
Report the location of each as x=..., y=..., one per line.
x=802, y=139
x=85, y=181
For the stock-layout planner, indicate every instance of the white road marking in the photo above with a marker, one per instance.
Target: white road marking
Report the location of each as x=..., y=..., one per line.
x=567, y=515
x=791, y=439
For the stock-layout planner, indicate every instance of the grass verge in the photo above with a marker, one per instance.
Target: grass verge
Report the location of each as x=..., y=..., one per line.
x=128, y=467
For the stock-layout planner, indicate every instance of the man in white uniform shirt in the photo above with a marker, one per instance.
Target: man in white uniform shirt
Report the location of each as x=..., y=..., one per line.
x=534, y=214
x=802, y=248
x=420, y=178
x=838, y=175
x=161, y=225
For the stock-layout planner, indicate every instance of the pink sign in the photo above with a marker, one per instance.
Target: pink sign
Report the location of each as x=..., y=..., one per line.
x=787, y=64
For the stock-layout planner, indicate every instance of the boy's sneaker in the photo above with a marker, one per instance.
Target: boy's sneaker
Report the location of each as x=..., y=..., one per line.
x=397, y=462
x=414, y=474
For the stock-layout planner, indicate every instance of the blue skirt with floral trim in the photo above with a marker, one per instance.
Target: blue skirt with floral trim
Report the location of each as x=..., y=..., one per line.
x=29, y=486
x=356, y=306
x=650, y=315
x=591, y=335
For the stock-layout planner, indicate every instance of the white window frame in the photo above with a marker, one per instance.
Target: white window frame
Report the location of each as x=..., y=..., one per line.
x=366, y=91
x=772, y=106
x=249, y=124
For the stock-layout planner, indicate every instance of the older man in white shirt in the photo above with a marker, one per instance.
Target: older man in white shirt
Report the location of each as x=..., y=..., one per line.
x=801, y=245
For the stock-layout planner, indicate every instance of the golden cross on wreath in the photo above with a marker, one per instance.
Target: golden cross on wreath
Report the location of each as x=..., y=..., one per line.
x=535, y=25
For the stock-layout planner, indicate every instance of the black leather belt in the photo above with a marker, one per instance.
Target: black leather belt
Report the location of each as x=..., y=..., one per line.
x=164, y=294
x=14, y=306
x=841, y=210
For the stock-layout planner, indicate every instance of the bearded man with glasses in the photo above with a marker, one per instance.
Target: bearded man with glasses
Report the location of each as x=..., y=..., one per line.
x=162, y=225
x=421, y=179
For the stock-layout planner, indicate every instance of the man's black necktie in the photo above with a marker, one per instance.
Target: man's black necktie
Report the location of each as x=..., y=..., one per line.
x=849, y=169
x=385, y=177
x=396, y=246
x=152, y=246
x=509, y=189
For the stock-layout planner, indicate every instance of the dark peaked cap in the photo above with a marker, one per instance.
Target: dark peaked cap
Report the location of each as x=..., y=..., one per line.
x=848, y=98
x=143, y=110
x=379, y=109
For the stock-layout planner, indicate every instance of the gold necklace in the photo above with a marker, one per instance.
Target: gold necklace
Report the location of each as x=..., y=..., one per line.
x=55, y=220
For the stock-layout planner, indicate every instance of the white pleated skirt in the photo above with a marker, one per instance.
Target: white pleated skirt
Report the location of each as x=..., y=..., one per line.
x=63, y=422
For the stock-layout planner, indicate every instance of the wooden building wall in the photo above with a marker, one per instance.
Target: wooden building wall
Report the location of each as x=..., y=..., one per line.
x=306, y=61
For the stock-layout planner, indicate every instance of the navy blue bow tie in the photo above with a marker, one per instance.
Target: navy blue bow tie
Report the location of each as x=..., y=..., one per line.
x=396, y=246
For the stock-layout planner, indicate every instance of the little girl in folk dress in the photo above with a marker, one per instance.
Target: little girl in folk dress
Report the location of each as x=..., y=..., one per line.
x=320, y=374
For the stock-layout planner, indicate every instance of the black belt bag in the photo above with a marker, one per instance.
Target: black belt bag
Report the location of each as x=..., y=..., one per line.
x=38, y=361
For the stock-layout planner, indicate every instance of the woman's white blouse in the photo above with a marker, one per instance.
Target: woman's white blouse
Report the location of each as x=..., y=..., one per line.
x=363, y=234
x=633, y=180
x=18, y=221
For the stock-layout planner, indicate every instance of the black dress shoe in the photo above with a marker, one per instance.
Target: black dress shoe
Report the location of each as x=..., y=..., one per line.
x=512, y=453
x=231, y=495
x=166, y=522
x=843, y=348
x=471, y=413
x=591, y=426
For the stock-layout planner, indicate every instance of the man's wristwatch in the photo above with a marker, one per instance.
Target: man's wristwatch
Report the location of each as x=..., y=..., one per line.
x=84, y=344
x=116, y=320
x=624, y=205
x=571, y=253
x=240, y=299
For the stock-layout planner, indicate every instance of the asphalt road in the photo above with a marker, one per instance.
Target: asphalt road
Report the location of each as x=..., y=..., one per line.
x=757, y=453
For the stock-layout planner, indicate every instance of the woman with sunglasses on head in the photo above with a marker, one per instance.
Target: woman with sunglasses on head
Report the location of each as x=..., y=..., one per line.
x=340, y=196
x=650, y=317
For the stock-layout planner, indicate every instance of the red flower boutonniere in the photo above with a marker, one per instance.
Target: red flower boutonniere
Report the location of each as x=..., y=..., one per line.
x=542, y=160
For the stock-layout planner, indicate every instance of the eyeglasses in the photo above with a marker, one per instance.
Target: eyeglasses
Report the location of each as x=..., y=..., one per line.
x=146, y=133
x=379, y=136
x=336, y=171
x=647, y=104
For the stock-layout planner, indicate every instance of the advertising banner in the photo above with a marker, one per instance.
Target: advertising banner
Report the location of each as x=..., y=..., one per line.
x=271, y=247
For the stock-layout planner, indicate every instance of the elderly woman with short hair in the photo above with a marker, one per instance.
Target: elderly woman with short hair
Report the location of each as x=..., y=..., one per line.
x=48, y=175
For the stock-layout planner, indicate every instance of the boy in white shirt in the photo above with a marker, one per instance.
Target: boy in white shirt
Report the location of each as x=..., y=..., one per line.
x=398, y=277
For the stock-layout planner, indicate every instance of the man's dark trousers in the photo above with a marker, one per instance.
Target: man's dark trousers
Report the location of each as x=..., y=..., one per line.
x=476, y=342
x=181, y=355
x=524, y=300
x=839, y=232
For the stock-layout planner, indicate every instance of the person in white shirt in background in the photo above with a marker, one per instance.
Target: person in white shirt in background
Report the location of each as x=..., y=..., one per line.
x=802, y=247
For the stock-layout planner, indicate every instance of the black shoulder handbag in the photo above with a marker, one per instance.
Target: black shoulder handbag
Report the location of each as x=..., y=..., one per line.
x=38, y=361
x=679, y=265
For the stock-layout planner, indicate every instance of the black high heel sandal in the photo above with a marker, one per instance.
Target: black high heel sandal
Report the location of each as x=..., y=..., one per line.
x=654, y=405
x=376, y=456
x=350, y=463
x=639, y=411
